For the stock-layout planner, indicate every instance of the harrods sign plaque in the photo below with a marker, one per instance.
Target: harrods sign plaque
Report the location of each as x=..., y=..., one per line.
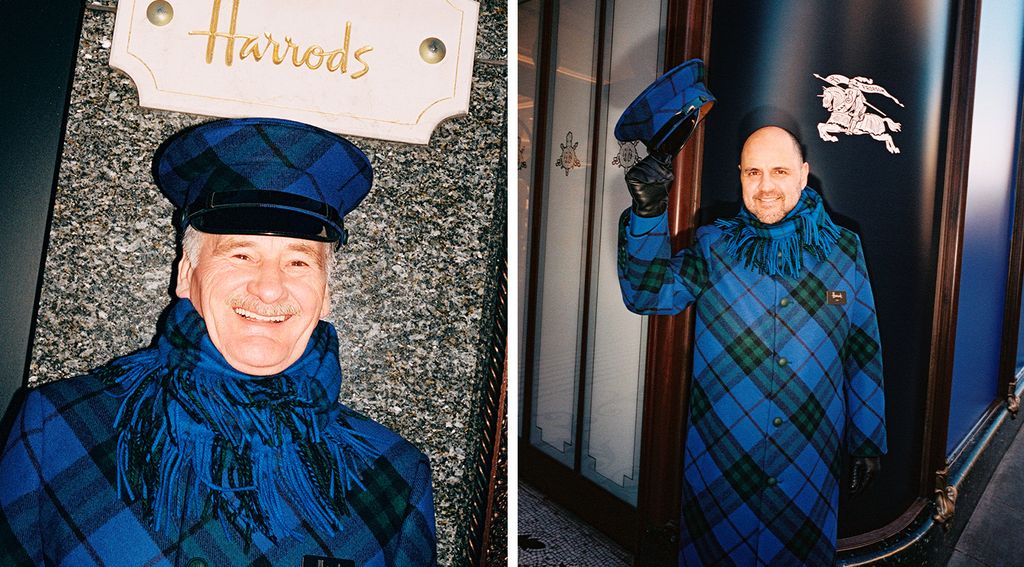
x=389, y=69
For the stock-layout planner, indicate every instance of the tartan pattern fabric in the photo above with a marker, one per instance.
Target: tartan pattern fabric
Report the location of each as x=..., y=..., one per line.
x=59, y=503
x=680, y=91
x=777, y=249
x=256, y=164
x=782, y=381
x=261, y=153
x=194, y=433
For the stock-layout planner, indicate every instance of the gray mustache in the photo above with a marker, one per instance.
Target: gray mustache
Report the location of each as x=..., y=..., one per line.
x=260, y=308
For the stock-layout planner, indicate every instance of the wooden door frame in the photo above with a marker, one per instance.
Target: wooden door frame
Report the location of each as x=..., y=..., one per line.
x=670, y=337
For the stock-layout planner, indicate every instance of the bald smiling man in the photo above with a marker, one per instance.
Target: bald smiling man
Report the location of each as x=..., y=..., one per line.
x=787, y=369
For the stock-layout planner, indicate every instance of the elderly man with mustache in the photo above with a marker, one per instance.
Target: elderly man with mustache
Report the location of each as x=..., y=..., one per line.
x=787, y=367
x=224, y=444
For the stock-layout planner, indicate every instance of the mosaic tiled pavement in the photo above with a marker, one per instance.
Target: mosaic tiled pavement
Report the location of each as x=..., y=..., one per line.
x=550, y=536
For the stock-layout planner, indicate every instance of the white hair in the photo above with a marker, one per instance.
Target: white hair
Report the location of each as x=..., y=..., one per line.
x=192, y=242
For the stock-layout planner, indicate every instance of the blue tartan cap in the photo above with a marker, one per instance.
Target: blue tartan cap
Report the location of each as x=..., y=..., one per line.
x=665, y=114
x=263, y=176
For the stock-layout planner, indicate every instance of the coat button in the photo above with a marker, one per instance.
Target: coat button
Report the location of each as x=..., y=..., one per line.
x=196, y=562
x=783, y=361
x=784, y=302
x=772, y=481
x=777, y=421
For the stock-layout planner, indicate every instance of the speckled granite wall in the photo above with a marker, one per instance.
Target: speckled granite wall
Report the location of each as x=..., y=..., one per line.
x=411, y=295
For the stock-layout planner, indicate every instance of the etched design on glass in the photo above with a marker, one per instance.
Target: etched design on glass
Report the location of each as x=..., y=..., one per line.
x=568, y=160
x=627, y=156
x=848, y=106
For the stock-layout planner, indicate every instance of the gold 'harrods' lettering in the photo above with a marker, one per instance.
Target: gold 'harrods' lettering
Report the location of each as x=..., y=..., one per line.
x=257, y=47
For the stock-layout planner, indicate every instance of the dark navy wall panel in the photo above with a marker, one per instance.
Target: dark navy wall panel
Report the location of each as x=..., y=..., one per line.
x=762, y=66
x=988, y=221
x=39, y=40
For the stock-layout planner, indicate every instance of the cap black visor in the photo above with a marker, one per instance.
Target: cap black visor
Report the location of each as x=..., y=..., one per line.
x=270, y=221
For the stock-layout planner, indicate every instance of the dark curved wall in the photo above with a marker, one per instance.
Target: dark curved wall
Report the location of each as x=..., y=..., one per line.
x=761, y=68
x=34, y=89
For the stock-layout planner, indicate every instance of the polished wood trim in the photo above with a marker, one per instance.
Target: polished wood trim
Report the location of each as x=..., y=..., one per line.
x=543, y=60
x=669, y=351
x=579, y=495
x=490, y=483
x=947, y=279
x=497, y=487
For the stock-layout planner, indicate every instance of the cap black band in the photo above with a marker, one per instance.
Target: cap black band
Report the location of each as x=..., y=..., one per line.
x=254, y=211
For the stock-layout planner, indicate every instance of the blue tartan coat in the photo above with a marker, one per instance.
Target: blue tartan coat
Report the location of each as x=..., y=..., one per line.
x=59, y=503
x=783, y=377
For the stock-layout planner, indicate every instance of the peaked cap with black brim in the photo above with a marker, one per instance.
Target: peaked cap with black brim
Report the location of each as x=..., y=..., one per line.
x=665, y=114
x=263, y=176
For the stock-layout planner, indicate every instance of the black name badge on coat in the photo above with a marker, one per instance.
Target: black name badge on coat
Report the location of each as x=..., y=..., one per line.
x=318, y=561
x=835, y=297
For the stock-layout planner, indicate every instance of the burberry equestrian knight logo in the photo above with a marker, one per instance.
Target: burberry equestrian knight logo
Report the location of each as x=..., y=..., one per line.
x=846, y=102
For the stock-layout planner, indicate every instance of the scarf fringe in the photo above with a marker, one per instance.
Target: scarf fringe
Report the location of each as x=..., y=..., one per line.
x=262, y=463
x=775, y=250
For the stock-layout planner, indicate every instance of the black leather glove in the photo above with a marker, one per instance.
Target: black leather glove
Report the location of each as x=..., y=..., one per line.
x=648, y=183
x=863, y=471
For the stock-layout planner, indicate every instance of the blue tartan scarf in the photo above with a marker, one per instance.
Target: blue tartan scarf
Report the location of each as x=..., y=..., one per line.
x=776, y=249
x=261, y=453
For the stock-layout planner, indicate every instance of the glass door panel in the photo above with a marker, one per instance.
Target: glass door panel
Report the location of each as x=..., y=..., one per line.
x=563, y=233
x=613, y=403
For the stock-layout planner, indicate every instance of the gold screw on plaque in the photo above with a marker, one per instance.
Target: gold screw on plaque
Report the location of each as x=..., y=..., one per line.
x=432, y=50
x=160, y=13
